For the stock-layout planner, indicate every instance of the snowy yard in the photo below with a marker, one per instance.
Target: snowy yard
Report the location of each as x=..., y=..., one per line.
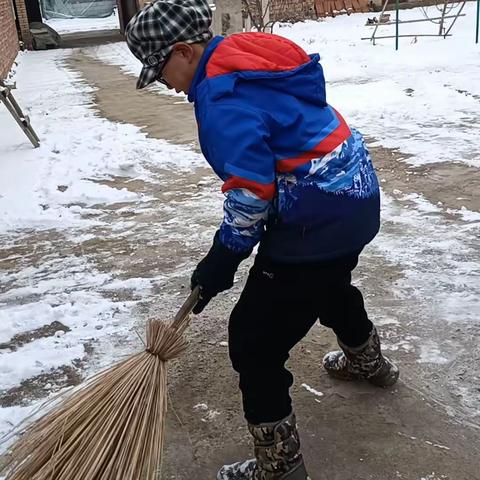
x=423, y=99
x=101, y=226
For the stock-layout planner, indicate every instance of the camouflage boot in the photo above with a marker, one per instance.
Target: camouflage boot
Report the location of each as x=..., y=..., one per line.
x=364, y=362
x=277, y=454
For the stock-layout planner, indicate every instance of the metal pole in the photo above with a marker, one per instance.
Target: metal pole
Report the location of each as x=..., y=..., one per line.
x=379, y=18
x=478, y=22
x=408, y=36
x=418, y=20
x=397, y=20
x=456, y=18
x=23, y=121
x=442, y=21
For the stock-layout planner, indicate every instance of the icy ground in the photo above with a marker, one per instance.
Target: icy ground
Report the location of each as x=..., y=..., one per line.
x=101, y=226
x=60, y=206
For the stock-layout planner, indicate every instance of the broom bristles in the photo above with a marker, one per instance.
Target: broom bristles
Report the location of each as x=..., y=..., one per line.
x=112, y=427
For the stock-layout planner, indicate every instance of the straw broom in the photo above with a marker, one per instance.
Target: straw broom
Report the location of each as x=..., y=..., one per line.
x=111, y=428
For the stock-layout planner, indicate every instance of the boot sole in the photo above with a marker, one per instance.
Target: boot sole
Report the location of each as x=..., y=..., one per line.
x=352, y=378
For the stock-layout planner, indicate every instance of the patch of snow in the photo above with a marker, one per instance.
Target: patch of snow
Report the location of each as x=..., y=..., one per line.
x=78, y=151
x=421, y=203
x=312, y=390
x=437, y=445
x=10, y=419
x=434, y=476
x=403, y=345
x=82, y=154
x=208, y=413
x=384, y=321
x=431, y=353
x=211, y=415
x=38, y=357
x=466, y=214
x=72, y=297
x=438, y=258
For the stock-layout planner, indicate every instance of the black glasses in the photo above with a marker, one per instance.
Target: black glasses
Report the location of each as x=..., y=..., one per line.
x=160, y=79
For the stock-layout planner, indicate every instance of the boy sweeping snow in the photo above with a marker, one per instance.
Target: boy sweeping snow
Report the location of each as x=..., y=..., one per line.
x=299, y=182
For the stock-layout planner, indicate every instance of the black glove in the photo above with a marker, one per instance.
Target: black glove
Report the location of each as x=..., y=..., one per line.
x=215, y=273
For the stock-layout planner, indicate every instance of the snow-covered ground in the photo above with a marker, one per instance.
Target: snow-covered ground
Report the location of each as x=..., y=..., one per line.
x=75, y=25
x=78, y=148
x=54, y=196
x=423, y=100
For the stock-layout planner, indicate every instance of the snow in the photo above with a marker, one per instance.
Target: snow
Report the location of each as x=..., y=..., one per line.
x=69, y=133
x=71, y=295
x=431, y=353
x=78, y=150
x=312, y=390
x=75, y=25
x=423, y=99
x=209, y=414
x=438, y=258
x=82, y=154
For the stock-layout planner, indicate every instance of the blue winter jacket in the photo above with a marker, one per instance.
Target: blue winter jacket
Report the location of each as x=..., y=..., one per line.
x=297, y=179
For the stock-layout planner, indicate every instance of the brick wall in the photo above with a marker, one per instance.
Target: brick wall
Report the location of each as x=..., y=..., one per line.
x=8, y=37
x=25, y=34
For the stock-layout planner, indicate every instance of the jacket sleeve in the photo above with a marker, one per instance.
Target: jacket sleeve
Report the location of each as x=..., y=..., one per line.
x=238, y=140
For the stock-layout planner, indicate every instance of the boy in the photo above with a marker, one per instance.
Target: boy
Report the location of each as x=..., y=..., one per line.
x=300, y=183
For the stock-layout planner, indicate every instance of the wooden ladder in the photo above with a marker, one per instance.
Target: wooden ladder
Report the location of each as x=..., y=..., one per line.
x=23, y=121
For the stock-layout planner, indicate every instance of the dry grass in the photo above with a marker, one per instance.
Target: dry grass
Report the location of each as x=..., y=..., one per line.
x=112, y=428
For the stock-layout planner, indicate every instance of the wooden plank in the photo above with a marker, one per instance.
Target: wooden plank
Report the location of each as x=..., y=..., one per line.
x=319, y=8
x=327, y=8
x=364, y=6
x=326, y=5
x=356, y=5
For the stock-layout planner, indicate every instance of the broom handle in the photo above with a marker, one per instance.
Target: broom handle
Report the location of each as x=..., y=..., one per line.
x=180, y=321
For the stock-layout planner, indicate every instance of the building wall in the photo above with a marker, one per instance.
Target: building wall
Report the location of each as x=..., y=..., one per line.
x=227, y=17
x=23, y=21
x=292, y=10
x=8, y=37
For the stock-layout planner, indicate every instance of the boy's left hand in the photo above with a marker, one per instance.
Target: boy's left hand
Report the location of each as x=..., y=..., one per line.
x=216, y=272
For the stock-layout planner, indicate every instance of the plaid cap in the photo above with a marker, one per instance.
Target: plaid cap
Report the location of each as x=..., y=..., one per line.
x=153, y=31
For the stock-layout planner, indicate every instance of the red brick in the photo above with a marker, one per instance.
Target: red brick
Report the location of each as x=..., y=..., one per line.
x=8, y=37
x=26, y=37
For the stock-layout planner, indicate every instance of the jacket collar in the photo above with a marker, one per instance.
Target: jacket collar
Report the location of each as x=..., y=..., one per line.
x=202, y=65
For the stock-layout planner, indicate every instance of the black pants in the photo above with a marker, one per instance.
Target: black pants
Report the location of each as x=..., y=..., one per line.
x=279, y=305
